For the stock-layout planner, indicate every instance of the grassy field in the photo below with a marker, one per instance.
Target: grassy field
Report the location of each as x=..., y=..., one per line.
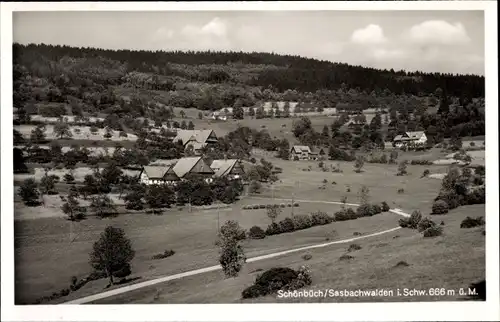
x=42, y=244
x=78, y=173
x=438, y=262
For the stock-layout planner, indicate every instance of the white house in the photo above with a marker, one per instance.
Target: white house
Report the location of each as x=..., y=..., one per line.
x=151, y=175
x=417, y=138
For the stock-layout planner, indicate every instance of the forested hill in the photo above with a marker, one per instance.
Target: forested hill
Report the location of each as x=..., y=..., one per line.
x=212, y=80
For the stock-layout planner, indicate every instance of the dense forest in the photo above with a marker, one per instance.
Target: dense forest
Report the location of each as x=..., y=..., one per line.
x=210, y=80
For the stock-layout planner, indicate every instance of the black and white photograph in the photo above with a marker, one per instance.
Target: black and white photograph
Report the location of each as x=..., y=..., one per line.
x=189, y=153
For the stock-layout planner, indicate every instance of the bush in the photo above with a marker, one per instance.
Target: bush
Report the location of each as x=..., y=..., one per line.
x=278, y=278
x=478, y=196
x=401, y=190
x=256, y=207
x=306, y=257
x=262, y=206
x=296, y=204
x=254, y=291
x=404, y=222
x=366, y=210
x=286, y=225
x=346, y=214
x=289, y=205
x=452, y=199
x=426, y=173
x=439, y=207
x=421, y=162
x=385, y=206
x=165, y=254
x=469, y=222
x=401, y=264
x=377, y=209
x=415, y=219
x=282, y=205
x=273, y=229
x=354, y=247
x=320, y=218
x=346, y=257
x=425, y=224
x=64, y=292
x=256, y=233
x=433, y=231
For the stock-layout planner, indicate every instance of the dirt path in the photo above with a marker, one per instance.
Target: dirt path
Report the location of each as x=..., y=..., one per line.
x=129, y=288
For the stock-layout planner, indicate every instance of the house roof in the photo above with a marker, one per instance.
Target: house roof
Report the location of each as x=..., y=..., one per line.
x=200, y=136
x=159, y=172
x=185, y=165
x=409, y=136
x=301, y=148
x=223, y=167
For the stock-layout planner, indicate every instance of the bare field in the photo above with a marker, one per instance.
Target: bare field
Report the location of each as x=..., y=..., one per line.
x=433, y=263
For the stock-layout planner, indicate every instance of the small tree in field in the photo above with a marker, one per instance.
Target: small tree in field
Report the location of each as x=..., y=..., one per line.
x=102, y=206
x=254, y=186
x=29, y=193
x=232, y=256
x=273, y=212
x=182, y=114
x=71, y=207
x=200, y=115
x=364, y=196
x=61, y=130
x=402, y=168
x=112, y=254
x=359, y=163
x=109, y=133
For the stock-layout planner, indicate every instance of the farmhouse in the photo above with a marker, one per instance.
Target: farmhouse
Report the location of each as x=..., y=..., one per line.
x=410, y=139
x=300, y=152
x=158, y=175
x=187, y=168
x=219, y=115
x=198, y=139
x=231, y=169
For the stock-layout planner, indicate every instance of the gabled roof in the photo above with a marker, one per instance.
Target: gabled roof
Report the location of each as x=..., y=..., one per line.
x=301, y=148
x=185, y=165
x=223, y=167
x=409, y=136
x=199, y=136
x=160, y=172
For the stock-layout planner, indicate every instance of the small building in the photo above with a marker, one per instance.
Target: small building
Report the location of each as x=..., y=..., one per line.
x=410, y=139
x=300, y=152
x=198, y=139
x=231, y=169
x=151, y=175
x=187, y=168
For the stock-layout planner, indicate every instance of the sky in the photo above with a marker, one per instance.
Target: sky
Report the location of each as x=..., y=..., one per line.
x=429, y=41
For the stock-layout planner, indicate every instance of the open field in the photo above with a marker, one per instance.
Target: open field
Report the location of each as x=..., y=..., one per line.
x=433, y=263
x=83, y=134
x=44, y=243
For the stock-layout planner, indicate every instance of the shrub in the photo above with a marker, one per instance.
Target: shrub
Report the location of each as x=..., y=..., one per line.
x=296, y=204
x=346, y=257
x=425, y=224
x=401, y=190
x=478, y=196
x=320, y=218
x=415, y=219
x=303, y=279
x=469, y=222
x=452, y=199
x=256, y=233
x=165, y=254
x=401, y=264
x=282, y=205
x=377, y=209
x=302, y=222
x=306, y=257
x=286, y=225
x=254, y=291
x=426, y=173
x=365, y=210
x=276, y=278
x=272, y=229
x=262, y=206
x=289, y=205
x=64, y=292
x=255, y=207
x=439, y=207
x=357, y=233
x=433, y=231
x=385, y=206
x=353, y=247
x=404, y=222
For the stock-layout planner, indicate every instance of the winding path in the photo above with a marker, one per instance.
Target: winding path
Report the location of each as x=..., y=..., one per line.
x=129, y=288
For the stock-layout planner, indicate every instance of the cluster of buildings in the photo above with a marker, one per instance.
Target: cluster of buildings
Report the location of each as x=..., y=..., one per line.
x=303, y=152
x=410, y=139
x=186, y=168
x=196, y=139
